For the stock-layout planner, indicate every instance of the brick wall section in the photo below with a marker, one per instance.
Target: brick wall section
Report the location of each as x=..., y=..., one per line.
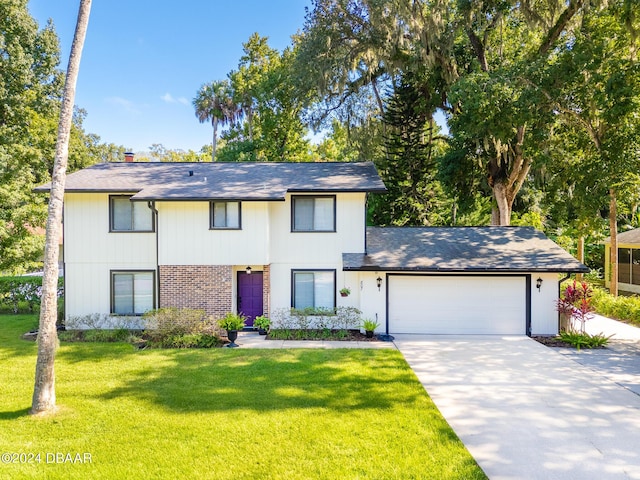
x=266, y=288
x=206, y=287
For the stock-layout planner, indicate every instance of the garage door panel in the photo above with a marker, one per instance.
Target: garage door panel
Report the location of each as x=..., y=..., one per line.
x=457, y=304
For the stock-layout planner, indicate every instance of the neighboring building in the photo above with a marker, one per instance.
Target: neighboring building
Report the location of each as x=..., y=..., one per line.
x=628, y=261
x=256, y=237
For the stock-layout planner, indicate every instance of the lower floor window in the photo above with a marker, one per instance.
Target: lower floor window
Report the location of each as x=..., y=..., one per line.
x=132, y=293
x=314, y=289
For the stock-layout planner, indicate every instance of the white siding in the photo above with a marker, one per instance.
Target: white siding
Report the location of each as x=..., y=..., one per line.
x=544, y=316
x=91, y=252
x=315, y=250
x=185, y=237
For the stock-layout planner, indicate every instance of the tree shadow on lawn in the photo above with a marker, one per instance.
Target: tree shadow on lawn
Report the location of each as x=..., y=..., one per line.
x=264, y=380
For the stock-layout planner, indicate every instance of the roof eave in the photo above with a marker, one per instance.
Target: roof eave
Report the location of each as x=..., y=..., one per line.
x=378, y=268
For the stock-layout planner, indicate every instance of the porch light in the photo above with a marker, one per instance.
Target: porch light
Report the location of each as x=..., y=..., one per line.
x=248, y=270
x=379, y=282
x=538, y=283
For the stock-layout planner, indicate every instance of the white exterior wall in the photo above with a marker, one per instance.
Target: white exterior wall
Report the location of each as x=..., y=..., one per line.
x=91, y=252
x=373, y=301
x=185, y=237
x=544, y=316
x=314, y=250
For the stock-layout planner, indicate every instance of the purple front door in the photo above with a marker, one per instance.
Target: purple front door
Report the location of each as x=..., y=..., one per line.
x=250, y=295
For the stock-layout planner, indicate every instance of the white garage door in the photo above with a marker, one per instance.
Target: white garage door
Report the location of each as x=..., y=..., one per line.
x=457, y=304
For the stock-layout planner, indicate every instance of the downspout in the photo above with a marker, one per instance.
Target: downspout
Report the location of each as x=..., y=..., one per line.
x=366, y=208
x=152, y=205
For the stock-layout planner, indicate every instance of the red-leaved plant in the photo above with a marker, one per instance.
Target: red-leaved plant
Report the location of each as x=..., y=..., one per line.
x=575, y=303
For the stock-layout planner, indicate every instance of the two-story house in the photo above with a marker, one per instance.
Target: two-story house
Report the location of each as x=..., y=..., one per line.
x=256, y=237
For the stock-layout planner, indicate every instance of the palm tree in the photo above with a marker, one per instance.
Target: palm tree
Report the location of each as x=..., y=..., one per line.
x=44, y=392
x=214, y=102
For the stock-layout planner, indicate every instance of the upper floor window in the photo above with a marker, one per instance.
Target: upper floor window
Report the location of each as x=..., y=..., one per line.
x=313, y=214
x=225, y=215
x=128, y=216
x=132, y=292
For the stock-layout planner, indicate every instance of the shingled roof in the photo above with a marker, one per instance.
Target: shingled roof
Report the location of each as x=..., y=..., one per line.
x=223, y=181
x=461, y=249
x=630, y=236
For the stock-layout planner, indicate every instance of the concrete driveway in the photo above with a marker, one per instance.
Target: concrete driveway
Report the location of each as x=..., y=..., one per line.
x=526, y=411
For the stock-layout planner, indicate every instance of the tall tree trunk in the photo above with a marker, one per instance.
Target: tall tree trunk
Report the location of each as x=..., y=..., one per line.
x=44, y=392
x=214, y=142
x=579, y=276
x=504, y=203
x=613, y=230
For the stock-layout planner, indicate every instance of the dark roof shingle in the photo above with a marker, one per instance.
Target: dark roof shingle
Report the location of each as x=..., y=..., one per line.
x=211, y=181
x=461, y=249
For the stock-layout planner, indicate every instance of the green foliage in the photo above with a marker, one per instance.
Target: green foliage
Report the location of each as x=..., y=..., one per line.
x=300, y=322
x=415, y=197
x=584, y=340
x=95, y=335
x=21, y=292
x=232, y=321
x=30, y=96
x=622, y=308
x=262, y=322
x=180, y=328
x=369, y=325
x=159, y=407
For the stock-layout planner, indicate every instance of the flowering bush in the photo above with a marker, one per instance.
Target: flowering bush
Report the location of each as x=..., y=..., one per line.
x=575, y=304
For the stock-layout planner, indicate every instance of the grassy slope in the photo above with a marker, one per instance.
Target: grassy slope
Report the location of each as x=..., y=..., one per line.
x=221, y=413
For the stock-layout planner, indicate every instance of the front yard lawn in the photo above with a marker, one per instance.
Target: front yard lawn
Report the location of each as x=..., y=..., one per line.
x=222, y=413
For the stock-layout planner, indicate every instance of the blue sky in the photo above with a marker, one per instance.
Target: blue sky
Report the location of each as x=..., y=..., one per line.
x=143, y=62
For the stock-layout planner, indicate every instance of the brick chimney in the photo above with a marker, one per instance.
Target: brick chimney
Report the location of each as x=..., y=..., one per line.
x=128, y=157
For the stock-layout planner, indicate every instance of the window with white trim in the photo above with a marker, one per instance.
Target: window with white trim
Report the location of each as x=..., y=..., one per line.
x=313, y=289
x=132, y=292
x=225, y=215
x=128, y=216
x=313, y=213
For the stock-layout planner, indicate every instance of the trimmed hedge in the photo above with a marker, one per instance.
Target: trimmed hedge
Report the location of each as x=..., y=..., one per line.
x=622, y=308
x=17, y=292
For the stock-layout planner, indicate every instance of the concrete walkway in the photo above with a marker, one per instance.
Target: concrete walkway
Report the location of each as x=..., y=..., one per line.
x=526, y=411
x=253, y=340
x=620, y=361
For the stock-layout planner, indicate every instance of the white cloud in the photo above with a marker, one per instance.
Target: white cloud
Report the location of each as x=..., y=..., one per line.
x=168, y=98
x=127, y=105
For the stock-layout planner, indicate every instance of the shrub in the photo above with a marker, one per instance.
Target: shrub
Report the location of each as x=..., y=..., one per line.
x=190, y=340
x=622, y=308
x=180, y=328
x=575, y=303
x=25, y=291
x=95, y=335
x=582, y=339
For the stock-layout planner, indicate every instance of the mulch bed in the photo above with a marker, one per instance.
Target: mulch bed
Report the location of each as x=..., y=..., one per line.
x=352, y=336
x=552, y=342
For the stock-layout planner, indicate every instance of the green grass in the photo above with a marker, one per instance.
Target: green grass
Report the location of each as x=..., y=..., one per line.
x=223, y=413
